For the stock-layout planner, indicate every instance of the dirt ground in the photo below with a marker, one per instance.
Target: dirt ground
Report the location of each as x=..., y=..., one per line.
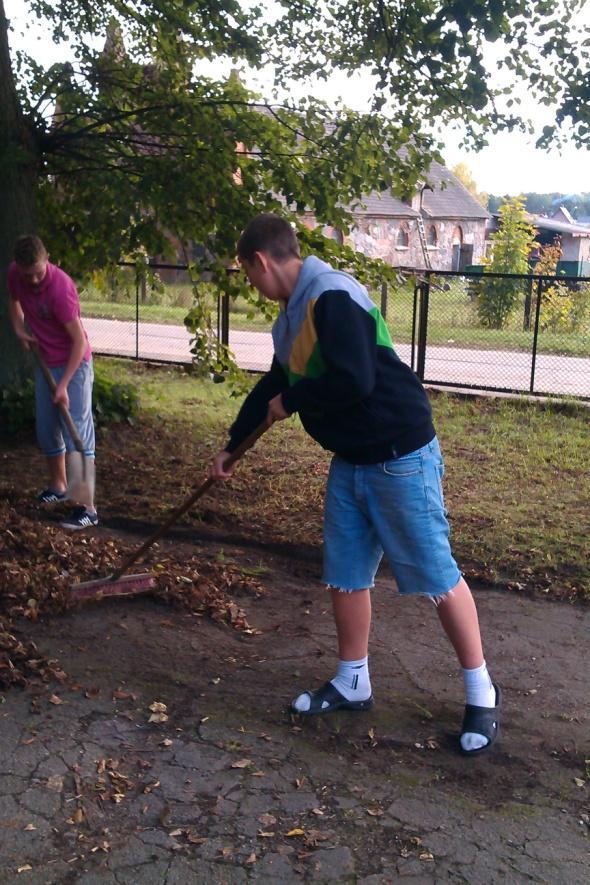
x=224, y=785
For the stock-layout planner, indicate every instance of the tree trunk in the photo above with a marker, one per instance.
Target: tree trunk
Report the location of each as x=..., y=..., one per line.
x=18, y=173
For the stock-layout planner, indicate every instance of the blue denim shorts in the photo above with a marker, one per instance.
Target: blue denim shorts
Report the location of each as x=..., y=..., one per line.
x=52, y=434
x=394, y=508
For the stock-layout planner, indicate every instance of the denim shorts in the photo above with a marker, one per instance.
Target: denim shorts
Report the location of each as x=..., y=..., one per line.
x=52, y=434
x=394, y=508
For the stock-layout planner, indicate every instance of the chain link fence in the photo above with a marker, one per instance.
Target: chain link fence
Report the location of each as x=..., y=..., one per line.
x=496, y=332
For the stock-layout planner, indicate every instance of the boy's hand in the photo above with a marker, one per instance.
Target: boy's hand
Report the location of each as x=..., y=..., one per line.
x=61, y=395
x=276, y=410
x=27, y=341
x=218, y=470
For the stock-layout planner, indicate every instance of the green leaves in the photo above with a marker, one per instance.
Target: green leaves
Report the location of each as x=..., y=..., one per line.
x=431, y=61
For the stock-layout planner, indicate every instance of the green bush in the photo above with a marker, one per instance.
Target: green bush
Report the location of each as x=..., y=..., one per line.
x=564, y=309
x=112, y=401
x=17, y=407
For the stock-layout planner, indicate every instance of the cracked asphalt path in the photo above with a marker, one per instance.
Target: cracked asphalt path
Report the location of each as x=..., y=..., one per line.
x=230, y=788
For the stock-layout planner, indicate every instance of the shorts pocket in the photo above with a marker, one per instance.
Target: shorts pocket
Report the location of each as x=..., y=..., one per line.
x=434, y=488
x=407, y=465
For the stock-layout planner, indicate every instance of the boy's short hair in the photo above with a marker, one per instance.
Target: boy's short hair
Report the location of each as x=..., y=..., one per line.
x=268, y=233
x=28, y=250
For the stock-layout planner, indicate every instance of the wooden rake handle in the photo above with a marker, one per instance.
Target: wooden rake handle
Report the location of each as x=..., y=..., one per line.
x=188, y=502
x=62, y=408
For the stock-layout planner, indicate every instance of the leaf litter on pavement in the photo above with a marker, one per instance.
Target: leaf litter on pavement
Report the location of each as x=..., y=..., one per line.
x=39, y=563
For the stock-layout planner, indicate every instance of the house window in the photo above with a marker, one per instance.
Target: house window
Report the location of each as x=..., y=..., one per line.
x=432, y=236
x=457, y=236
x=403, y=237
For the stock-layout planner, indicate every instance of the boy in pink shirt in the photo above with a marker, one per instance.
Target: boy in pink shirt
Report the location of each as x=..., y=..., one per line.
x=44, y=309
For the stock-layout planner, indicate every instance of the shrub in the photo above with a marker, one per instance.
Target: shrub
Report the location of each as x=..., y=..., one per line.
x=17, y=407
x=112, y=401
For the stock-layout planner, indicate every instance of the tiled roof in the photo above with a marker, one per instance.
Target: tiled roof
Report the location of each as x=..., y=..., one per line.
x=385, y=204
x=448, y=199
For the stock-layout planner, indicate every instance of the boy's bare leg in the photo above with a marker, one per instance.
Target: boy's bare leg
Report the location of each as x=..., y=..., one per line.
x=458, y=616
x=57, y=473
x=352, y=614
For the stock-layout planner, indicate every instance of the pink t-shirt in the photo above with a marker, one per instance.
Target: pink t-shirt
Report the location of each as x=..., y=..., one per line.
x=47, y=307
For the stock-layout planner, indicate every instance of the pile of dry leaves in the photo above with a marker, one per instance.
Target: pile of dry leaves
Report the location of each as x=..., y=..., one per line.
x=40, y=562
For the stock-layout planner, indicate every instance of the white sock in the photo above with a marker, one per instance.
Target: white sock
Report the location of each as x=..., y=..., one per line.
x=351, y=680
x=480, y=692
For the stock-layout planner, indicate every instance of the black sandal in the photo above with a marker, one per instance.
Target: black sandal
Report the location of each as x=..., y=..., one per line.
x=484, y=721
x=327, y=699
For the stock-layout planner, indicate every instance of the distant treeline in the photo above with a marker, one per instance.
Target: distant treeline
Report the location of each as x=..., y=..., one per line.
x=545, y=204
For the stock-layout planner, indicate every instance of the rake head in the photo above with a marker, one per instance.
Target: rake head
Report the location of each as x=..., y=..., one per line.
x=128, y=585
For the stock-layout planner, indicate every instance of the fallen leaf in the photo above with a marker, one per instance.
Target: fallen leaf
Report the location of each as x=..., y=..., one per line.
x=251, y=859
x=121, y=695
x=91, y=692
x=241, y=763
x=297, y=831
x=24, y=869
x=55, y=782
x=54, y=699
x=176, y=833
x=264, y=835
x=375, y=811
x=158, y=707
x=579, y=782
x=158, y=717
x=30, y=827
x=196, y=839
x=267, y=820
x=149, y=787
x=166, y=742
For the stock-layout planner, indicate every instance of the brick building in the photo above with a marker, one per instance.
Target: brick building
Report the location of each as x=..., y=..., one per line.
x=454, y=225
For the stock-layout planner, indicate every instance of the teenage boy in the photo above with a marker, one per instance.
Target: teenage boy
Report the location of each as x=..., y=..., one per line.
x=335, y=365
x=44, y=309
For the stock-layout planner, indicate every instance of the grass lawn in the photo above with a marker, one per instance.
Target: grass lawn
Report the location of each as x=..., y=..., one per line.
x=517, y=484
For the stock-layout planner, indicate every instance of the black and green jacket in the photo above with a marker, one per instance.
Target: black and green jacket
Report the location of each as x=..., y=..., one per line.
x=335, y=365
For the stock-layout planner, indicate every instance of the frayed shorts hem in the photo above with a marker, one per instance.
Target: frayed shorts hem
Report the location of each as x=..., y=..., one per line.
x=435, y=595
x=329, y=585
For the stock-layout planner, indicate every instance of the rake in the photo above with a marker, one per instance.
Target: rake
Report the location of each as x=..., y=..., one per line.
x=121, y=584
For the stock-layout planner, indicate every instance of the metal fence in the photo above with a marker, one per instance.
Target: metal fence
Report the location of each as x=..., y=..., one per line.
x=496, y=332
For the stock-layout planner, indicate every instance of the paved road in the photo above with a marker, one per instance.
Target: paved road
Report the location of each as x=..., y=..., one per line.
x=449, y=365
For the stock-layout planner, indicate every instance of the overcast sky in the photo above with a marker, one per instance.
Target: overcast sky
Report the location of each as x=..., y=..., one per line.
x=510, y=165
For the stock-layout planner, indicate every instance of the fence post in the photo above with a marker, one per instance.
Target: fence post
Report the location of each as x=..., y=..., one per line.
x=139, y=281
x=423, y=326
x=536, y=334
x=526, y=325
x=225, y=319
x=384, y=300
x=414, y=316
